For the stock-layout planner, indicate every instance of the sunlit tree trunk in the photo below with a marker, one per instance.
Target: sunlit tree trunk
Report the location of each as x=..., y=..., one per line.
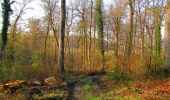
x=94, y=35
x=117, y=26
x=90, y=31
x=85, y=50
x=45, y=42
x=167, y=38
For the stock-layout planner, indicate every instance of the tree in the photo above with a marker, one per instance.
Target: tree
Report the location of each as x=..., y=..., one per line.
x=49, y=7
x=90, y=34
x=69, y=21
x=167, y=38
x=99, y=22
x=6, y=10
x=116, y=14
x=14, y=27
x=62, y=35
x=158, y=24
x=36, y=30
x=129, y=36
x=82, y=8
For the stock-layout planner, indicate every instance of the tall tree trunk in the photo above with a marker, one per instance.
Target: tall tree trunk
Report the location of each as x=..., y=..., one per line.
x=128, y=48
x=45, y=43
x=107, y=40
x=6, y=8
x=158, y=42
x=85, y=41
x=158, y=37
x=167, y=38
x=90, y=31
x=117, y=26
x=94, y=41
x=149, y=58
x=14, y=28
x=55, y=36
x=62, y=35
x=99, y=22
x=56, y=44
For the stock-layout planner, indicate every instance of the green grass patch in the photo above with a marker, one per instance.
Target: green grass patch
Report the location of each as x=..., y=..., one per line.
x=54, y=95
x=92, y=97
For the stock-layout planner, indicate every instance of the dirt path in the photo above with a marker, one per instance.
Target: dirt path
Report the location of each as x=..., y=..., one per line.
x=105, y=89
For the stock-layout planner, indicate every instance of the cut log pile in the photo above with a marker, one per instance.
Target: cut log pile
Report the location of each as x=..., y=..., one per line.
x=48, y=84
x=12, y=85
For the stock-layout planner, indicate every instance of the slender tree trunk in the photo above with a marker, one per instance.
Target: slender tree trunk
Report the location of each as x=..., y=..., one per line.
x=13, y=44
x=149, y=61
x=55, y=51
x=14, y=34
x=117, y=42
x=141, y=30
x=45, y=43
x=107, y=37
x=55, y=35
x=85, y=42
x=90, y=41
x=69, y=49
x=56, y=44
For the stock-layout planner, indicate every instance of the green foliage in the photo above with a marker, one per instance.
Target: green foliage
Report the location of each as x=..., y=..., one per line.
x=117, y=76
x=92, y=97
x=11, y=69
x=108, y=95
x=116, y=73
x=5, y=66
x=10, y=72
x=4, y=72
x=157, y=60
x=26, y=57
x=117, y=94
x=88, y=80
x=50, y=96
x=86, y=87
x=37, y=59
x=158, y=73
x=122, y=90
x=131, y=97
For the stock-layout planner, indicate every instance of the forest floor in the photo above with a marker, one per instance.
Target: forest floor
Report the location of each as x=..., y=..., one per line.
x=94, y=87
